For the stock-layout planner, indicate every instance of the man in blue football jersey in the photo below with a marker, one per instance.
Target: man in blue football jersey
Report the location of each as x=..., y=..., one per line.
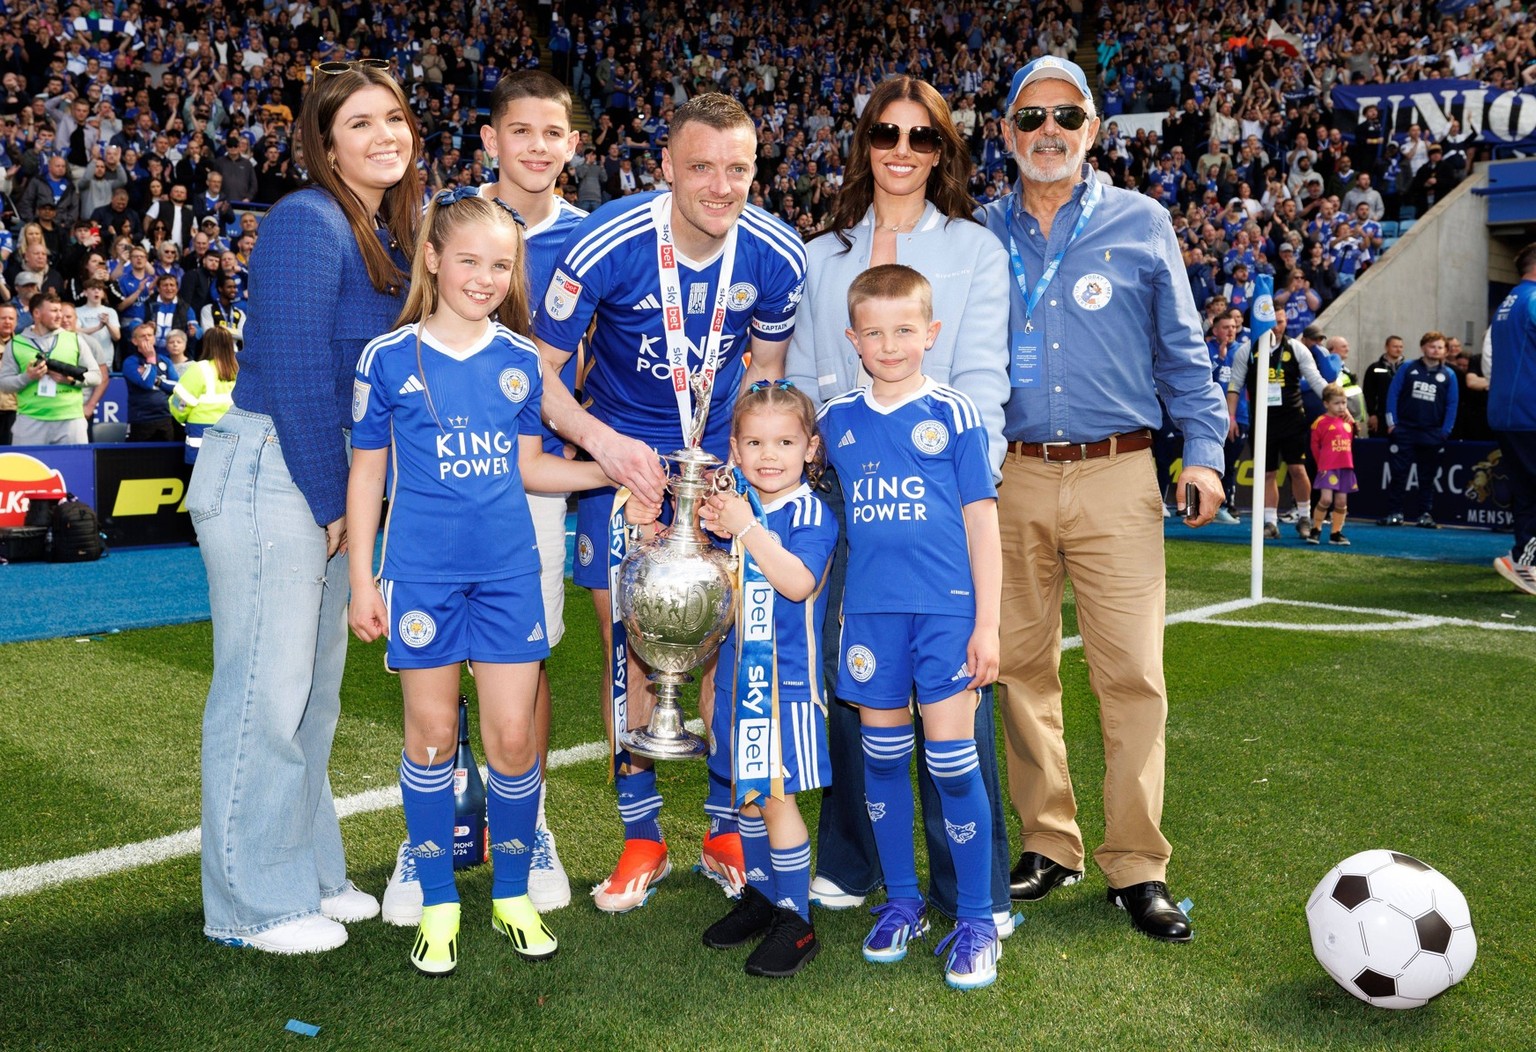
x=678, y=286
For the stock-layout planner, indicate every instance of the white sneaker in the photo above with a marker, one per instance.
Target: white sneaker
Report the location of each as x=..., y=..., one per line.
x=1006, y=921
x=350, y=904
x=314, y=934
x=1522, y=577
x=402, y=896
x=548, y=886
x=826, y=894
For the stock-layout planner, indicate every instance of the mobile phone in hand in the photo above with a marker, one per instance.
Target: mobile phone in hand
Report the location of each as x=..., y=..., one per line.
x=1191, y=501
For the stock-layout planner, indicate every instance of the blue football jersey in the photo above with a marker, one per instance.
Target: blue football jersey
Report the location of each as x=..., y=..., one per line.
x=808, y=531
x=610, y=261
x=907, y=470
x=544, y=242
x=458, y=511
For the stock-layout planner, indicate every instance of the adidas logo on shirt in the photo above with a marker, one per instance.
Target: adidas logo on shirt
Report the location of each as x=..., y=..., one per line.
x=537, y=634
x=649, y=303
x=846, y=440
x=412, y=385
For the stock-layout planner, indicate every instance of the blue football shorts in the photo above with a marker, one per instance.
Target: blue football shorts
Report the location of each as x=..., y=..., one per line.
x=432, y=624
x=885, y=655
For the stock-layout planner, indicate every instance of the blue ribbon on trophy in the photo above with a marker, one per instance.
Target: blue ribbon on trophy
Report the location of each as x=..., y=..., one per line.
x=757, y=760
x=618, y=546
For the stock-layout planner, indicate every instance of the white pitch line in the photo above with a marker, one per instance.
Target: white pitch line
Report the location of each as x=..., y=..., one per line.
x=24, y=880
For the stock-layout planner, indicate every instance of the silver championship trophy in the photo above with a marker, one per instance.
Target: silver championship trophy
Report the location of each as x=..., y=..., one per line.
x=677, y=599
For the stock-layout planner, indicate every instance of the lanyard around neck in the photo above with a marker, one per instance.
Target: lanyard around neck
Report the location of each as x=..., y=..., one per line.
x=1091, y=195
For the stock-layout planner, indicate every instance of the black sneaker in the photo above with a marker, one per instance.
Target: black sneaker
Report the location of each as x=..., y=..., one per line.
x=1312, y=538
x=1427, y=522
x=789, y=946
x=1339, y=539
x=749, y=918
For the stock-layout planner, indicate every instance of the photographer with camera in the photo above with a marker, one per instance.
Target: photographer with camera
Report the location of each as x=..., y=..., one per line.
x=47, y=368
x=151, y=380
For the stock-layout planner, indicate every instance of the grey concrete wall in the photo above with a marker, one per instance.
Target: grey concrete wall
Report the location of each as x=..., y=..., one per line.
x=1435, y=277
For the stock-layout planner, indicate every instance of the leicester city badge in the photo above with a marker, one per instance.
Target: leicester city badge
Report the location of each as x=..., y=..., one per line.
x=560, y=298
x=513, y=384
x=1092, y=291
x=416, y=628
x=584, y=550
x=930, y=436
x=861, y=663
x=359, y=400
x=742, y=296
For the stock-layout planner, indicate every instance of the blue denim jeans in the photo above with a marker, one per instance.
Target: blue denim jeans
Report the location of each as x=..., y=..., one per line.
x=271, y=842
x=845, y=842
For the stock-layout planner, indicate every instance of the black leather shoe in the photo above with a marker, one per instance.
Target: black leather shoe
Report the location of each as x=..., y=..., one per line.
x=1036, y=876
x=1153, y=911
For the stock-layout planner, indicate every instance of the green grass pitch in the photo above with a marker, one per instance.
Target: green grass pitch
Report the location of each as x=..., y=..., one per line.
x=1292, y=743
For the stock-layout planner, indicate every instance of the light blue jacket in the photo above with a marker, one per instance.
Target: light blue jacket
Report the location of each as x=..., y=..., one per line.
x=969, y=273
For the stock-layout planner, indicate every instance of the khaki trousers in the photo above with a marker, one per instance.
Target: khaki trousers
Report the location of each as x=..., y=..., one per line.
x=1098, y=522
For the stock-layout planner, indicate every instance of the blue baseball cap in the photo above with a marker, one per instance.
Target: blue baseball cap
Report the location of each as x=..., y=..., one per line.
x=1048, y=66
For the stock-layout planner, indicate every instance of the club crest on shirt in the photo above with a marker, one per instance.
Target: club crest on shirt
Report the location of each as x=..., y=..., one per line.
x=359, y=400
x=561, y=296
x=584, y=550
x=861, y=663
x=930, y=436
x=416, y=628
x=1092, y=291
x=513, y=384
x=743, y=294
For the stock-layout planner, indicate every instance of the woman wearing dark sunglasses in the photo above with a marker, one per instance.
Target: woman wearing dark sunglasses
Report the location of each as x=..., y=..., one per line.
x=904, y=200
x=269, y=498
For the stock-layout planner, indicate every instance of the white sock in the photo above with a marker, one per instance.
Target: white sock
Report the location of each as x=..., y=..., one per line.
x=1271, y=517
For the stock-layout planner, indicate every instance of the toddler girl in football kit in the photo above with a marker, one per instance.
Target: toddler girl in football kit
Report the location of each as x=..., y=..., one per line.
x=450, y=400
x=1333, y=445
x=920, y=609
x=774, y=447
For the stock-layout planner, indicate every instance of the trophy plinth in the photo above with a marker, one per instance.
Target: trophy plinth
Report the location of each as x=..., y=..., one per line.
x=676, y=598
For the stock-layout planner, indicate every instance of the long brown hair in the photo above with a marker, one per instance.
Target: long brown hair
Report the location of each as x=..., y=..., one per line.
x=948, y=183
x=401, y=210
x=219, y=348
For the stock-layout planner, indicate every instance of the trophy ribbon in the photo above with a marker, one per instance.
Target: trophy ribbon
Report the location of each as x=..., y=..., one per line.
x=756, y=749
x=618, y=546
x=685, y=387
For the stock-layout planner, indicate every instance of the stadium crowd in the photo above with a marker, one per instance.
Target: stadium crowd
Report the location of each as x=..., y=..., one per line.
x=133, y=136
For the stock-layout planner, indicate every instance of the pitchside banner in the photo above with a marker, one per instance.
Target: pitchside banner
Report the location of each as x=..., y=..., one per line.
x=138, y=490
x=1500, y=118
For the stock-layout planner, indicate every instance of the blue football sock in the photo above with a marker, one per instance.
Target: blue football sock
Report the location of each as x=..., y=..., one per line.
x=427, y=796
x=755, y=854
x=888, y=800
x=717, y=805
x=639, y=804
x=512, y=809
x=792, y=878
x=956, y=774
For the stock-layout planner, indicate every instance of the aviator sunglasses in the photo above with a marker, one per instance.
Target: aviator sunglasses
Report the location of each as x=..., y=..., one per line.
x=1029, y=118
x=333, y=68
x=921, y=138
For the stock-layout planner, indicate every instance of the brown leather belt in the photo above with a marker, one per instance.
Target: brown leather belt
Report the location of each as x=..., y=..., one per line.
x=1070, y=452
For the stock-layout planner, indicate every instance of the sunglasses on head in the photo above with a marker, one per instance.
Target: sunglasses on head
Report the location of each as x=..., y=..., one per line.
x=333, y=68
x=1030, y=118
x=763, y=385
x=921, y=138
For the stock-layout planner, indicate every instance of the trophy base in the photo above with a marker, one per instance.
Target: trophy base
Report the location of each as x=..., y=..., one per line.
x=683, y=746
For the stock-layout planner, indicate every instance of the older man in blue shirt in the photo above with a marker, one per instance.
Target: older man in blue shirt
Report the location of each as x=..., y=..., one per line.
x=1103, y=325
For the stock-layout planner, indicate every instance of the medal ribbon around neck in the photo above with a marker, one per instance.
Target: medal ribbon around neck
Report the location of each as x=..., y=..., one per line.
x=674, y=321
x=756, y=749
